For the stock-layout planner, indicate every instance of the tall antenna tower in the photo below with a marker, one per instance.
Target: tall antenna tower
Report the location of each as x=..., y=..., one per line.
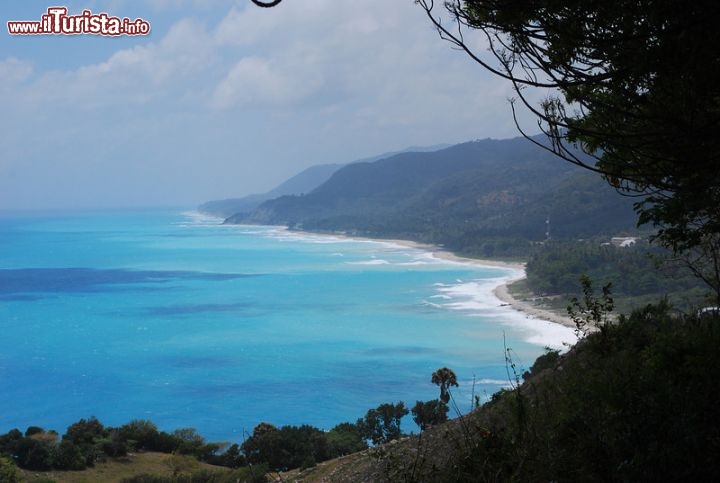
x=547, y=228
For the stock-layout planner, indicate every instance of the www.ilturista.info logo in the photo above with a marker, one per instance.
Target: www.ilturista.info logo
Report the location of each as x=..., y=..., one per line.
x=57, y=22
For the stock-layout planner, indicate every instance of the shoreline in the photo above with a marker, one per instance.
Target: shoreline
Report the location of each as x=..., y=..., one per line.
x=532, y=311
x=501, y=292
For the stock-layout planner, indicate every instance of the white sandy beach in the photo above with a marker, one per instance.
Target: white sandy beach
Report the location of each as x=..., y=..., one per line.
x=501, y=292
x=532, y=310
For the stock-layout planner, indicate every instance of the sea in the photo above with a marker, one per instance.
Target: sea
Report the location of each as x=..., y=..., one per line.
x=173, y=317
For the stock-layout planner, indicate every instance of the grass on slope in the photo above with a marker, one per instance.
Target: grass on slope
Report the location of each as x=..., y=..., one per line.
x=114, y=470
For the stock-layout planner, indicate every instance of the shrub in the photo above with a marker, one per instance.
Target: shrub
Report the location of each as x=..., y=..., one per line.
x=637, y=402
x=345, y=438
x=430, y=413
x=68, y=456
x=8, y=471
x=140, y=434
x=382, y=425
x=287, y=447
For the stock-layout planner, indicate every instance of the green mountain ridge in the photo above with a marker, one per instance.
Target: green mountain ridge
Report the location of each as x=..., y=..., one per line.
x=457, y=196
x=303, y=182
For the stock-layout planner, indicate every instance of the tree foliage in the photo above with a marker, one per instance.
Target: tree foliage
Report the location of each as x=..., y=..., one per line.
x=638, y=274
x=8, y=471
x=633, y=83
x=382, y=424
x=140, y=434
x=636, y=403
x=69, y=456
x=286, y=447
x=444, y=378
x=268, y=447
x=88, y=439
x=429, y=413
x=591, y=311
x=345, y=438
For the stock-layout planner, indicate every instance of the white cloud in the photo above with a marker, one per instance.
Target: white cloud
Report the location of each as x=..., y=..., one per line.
x=381, y=57
x=293, y=19
x=246, y=27
x=157, y=6
x=253, y=81
x=14, y=71
x=367, y=53
x=203, y=102
x=136, y=75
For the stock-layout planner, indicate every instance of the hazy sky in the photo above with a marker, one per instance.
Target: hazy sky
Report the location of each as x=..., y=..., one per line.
x=224, y=98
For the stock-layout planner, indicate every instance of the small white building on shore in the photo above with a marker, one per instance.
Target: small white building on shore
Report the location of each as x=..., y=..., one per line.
x=624, y=241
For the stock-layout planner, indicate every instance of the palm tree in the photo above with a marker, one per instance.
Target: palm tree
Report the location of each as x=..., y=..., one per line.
x=444, y=378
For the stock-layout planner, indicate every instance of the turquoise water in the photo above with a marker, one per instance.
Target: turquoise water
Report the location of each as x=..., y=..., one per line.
x=171, y=317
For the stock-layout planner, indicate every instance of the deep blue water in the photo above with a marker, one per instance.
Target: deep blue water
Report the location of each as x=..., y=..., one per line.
x=171, y=317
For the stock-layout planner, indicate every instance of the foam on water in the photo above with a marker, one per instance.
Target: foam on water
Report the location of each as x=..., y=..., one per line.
x=197, y=218
x=374, y=261
x=477, y=298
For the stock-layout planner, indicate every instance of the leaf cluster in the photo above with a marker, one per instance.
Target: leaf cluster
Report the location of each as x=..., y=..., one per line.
x=634, y=84
x=382, y=424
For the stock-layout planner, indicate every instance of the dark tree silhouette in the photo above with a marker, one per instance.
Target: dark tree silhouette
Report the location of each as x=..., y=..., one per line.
x=632, y=91
x=444, y=378
x=382, y=425
x=429, y=413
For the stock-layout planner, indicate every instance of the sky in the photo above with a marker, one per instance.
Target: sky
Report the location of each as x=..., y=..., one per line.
x=223, y=99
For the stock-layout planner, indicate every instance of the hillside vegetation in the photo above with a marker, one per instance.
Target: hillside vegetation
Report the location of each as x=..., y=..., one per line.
x=482, y=198
x=635, y=401
x=495, y=199
x=303, y=182
x=638, y=274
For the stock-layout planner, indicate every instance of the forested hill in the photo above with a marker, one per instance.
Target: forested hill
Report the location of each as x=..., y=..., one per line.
x=303, y=182
x=459, y=196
